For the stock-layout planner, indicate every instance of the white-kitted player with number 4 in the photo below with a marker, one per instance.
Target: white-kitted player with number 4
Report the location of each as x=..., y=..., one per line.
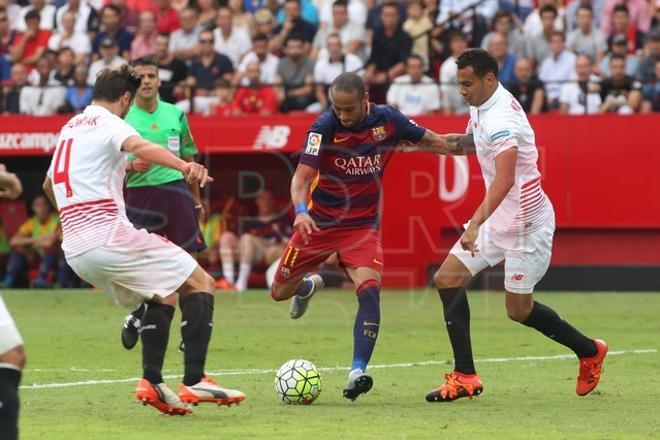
x=85, y=181
x=515, y=223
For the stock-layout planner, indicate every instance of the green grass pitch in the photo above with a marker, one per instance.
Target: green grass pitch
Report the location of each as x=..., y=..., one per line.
x=73, y=338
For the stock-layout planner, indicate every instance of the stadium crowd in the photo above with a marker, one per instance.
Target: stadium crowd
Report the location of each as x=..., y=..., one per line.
x=243, y=57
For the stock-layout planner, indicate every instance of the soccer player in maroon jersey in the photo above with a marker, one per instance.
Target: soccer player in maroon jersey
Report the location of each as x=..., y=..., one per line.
x=342, y=164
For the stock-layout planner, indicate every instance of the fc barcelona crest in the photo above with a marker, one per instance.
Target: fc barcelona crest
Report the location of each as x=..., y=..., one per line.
x=379, y=133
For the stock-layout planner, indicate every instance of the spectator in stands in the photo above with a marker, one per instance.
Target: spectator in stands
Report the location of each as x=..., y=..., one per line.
x=581, y=96
x=172, y=71
x=267, y=61
x=79, y=95
x=256, y=98
x=222, y=100
x=390, y=49
x=234, y=43
x=30, y=45
x=619, y=46
x=264, y=24
x=184, y=41
x=503, y=25
x=587, y=39
x=262, y=240
x=619, y=92
x=68, y=36
x=241, y=19
x=85, y=18
x=452, y=101
x=597, y=7
x=167, y=18
x=651, y=92
x=517, y=8
x=621, y=27
x=476, y=26
x=308, y=12
x=13, y=12
x=527, y=88
x=351, y=34
x=556, y=69
x=211, y=225
x=533, y=25
x=650, y=55
x=638, y=10
x=208, y=11
x=45, y=95
x=110, y=28
x=506, y=61
x=11, y=91
x=418, y=27
x=414, y=93
x=293, y=24
x=356, y=10
x=144, y=43
x=538, y=46
x=128, y=18
x=65, y=66
x=7, y=34
x=36, y=239
x=46, y=13
x=110, y=58
x=295, y=76
x=328, y=68
x=208, y=66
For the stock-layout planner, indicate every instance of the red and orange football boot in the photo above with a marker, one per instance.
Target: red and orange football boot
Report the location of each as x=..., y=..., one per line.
x=591, y=369
x=208, y=391
x=161, y=397
x=456, y=385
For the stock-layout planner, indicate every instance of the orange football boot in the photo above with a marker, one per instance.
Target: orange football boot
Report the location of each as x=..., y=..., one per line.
x=590, y=369
x=208, y=391
x=456, y=385
x=161, y=397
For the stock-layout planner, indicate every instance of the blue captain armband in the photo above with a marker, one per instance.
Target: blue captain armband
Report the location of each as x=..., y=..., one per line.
x=301, y=208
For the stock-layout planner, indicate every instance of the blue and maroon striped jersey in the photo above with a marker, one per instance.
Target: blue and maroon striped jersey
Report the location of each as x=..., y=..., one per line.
x=351, y=163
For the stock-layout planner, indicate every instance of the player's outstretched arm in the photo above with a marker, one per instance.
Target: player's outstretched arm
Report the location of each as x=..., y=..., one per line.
x=153, y=153
x=453, y=144
x=300, y=185
x=10, y=185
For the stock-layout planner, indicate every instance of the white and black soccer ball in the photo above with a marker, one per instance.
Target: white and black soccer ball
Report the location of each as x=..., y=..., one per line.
x=298, y=381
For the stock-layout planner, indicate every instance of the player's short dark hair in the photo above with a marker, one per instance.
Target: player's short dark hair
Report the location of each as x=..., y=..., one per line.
x=111, y=84
x=481, y=61
x=586, y=7
x=260, y=37
x=548, y=8
x=148, y=60
x=112, y=8
x=349, y=82
x=620, y=8
x=617, y=56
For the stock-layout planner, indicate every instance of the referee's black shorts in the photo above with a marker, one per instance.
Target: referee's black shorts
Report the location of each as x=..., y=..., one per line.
x=167, y=210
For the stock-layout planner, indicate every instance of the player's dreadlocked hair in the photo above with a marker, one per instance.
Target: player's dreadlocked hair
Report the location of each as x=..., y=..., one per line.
x=349, y=82
x=111, y=84
x=480, y=60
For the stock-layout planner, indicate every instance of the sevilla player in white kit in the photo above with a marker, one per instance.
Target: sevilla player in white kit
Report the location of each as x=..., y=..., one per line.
x=515, y=223
x=85, y=182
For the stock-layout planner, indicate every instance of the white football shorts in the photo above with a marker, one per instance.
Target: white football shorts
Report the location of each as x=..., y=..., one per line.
x=135, y=267
x=9, y=335
x=526, y=257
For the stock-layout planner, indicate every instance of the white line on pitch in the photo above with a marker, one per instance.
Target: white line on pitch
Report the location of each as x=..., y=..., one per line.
x=337, y=368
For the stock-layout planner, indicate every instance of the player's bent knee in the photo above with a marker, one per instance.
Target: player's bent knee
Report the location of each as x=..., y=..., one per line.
x=518, y=313
x=15, y=356
x=445, y=280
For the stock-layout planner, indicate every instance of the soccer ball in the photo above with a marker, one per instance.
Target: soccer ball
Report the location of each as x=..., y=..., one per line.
x=298, y=382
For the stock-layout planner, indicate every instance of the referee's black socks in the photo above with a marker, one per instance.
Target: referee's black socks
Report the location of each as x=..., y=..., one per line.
x=155, y=334
x=548, y=322
x=196, y=327
x=457, y=321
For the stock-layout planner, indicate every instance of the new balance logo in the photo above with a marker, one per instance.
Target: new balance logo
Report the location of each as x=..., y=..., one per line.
x=518, y=277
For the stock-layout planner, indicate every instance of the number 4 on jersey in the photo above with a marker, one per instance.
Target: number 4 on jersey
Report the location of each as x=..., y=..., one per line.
x=61, y=172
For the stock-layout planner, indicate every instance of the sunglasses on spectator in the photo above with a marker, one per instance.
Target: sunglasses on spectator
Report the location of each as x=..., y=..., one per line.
x=206, y=41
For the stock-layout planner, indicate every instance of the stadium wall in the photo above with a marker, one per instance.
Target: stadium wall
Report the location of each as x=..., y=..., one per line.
x=601, y=173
